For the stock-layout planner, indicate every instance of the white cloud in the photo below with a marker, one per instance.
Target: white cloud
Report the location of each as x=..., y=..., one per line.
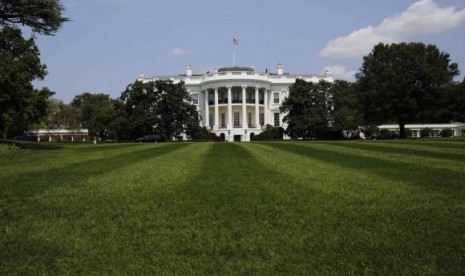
x=340, y=72
x=422, y=17
x=179, y=52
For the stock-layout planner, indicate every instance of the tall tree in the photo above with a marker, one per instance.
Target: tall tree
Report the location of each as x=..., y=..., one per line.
x=402, y=82
x=96, y=112
x=347, y=115
x=161, y=107
x=42, y=16
x=19, y=66
x=308, y=109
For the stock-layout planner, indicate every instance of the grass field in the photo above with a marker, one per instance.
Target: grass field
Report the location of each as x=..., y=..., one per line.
x=358, y=207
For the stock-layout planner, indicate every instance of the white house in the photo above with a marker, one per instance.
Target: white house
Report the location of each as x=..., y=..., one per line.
x=237, y=102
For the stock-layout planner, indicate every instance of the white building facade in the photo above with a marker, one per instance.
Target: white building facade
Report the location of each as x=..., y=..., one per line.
x=237, y=102
x=458, y=129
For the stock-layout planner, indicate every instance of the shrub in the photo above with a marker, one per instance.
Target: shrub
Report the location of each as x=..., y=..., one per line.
x=203, y=134
x=270, y=133
x=425, y=132
x=8, y=148
x=447, y=132
x=408, y=133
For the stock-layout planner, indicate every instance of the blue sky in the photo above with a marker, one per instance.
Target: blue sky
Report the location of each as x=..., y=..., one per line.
x=109, y=42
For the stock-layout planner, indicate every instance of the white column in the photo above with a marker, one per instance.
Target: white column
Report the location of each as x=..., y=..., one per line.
x=257, y=110
x=244, y=107
x=229, y=108
x=216, y=123
x=207, y=110
x=265, y=107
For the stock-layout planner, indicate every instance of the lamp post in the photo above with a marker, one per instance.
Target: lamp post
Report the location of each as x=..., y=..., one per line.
x=245, y=136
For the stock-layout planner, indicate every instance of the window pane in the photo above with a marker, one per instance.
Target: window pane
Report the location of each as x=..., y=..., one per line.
x=276, y=97
x=276, y=119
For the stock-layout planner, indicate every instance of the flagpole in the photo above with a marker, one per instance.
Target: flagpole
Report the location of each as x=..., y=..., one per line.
x=234, y=55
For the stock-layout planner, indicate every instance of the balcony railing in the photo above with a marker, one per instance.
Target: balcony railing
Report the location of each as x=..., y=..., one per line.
x=225, y=101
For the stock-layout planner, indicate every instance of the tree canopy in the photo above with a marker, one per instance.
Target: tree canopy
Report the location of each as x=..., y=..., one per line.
x=402, y=82
x=308, y=109
x=19, y=66
x=96, y=112
x=161, y=107
x=42, y=16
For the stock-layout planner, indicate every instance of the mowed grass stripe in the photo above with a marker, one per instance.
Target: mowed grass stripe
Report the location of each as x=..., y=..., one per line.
x=225, y=208
x=381, y=224
x=403, y=170
x=96, y=221
x=450, y=153
x=397, y=153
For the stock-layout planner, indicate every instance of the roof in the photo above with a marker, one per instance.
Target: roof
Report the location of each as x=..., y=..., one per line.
x=235, y=68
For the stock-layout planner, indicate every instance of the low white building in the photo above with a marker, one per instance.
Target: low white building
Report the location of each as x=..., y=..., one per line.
x=237, y=102
x=458, y=129
x=60, y=135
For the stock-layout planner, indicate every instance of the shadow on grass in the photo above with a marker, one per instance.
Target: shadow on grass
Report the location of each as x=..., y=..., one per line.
x=439, y=180
x=235, y=217
x=76, y=174
x=451, y=143
x=34, y=145
x=375, y=147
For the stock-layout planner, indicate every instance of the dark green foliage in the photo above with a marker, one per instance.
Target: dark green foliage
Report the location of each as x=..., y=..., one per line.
x=20, y=104
x=347, y=113
x=308, y=109
x=454, y=103
x=447, y=132
x=426, y=132
x=270, y=133
x=96, y=113
x=42, y=16
x=198, y=133
x=160, y=107
x=403, y=82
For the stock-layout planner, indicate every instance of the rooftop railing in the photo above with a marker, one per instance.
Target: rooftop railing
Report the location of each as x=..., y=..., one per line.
x=237, y=74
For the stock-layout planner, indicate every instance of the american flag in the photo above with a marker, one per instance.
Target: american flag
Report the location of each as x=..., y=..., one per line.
x=235, y=41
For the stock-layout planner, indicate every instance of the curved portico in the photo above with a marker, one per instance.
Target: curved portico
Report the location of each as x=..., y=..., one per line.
x=235, y=109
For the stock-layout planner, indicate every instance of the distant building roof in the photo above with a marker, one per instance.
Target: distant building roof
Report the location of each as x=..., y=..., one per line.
x=235, y=68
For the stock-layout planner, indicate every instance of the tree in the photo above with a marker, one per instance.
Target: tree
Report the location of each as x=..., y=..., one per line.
x=19, y=66
x=347, y=115
x=42, y=16
x=161, y=107
x=308, y=109
x=402, y=82
x=96, y=112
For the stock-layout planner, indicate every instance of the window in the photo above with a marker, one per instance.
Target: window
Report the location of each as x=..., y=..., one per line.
x=276, y=119
x=195, y=99
x=211, y=119
x=236, y=119
x=276, y=97
x=262, y=119
x=235, y=96
x=223, y=120
x=249, y=119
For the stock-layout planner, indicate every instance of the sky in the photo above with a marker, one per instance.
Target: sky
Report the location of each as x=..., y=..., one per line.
x=108, y=43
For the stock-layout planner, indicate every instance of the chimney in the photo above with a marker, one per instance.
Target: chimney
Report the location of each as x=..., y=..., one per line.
x=280, y=69
x=189, y=70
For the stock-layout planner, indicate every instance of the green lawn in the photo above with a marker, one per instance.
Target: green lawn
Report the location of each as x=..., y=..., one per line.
x=357, y=207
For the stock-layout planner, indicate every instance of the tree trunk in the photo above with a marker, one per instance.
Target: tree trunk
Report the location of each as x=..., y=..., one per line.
x=401, y=130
